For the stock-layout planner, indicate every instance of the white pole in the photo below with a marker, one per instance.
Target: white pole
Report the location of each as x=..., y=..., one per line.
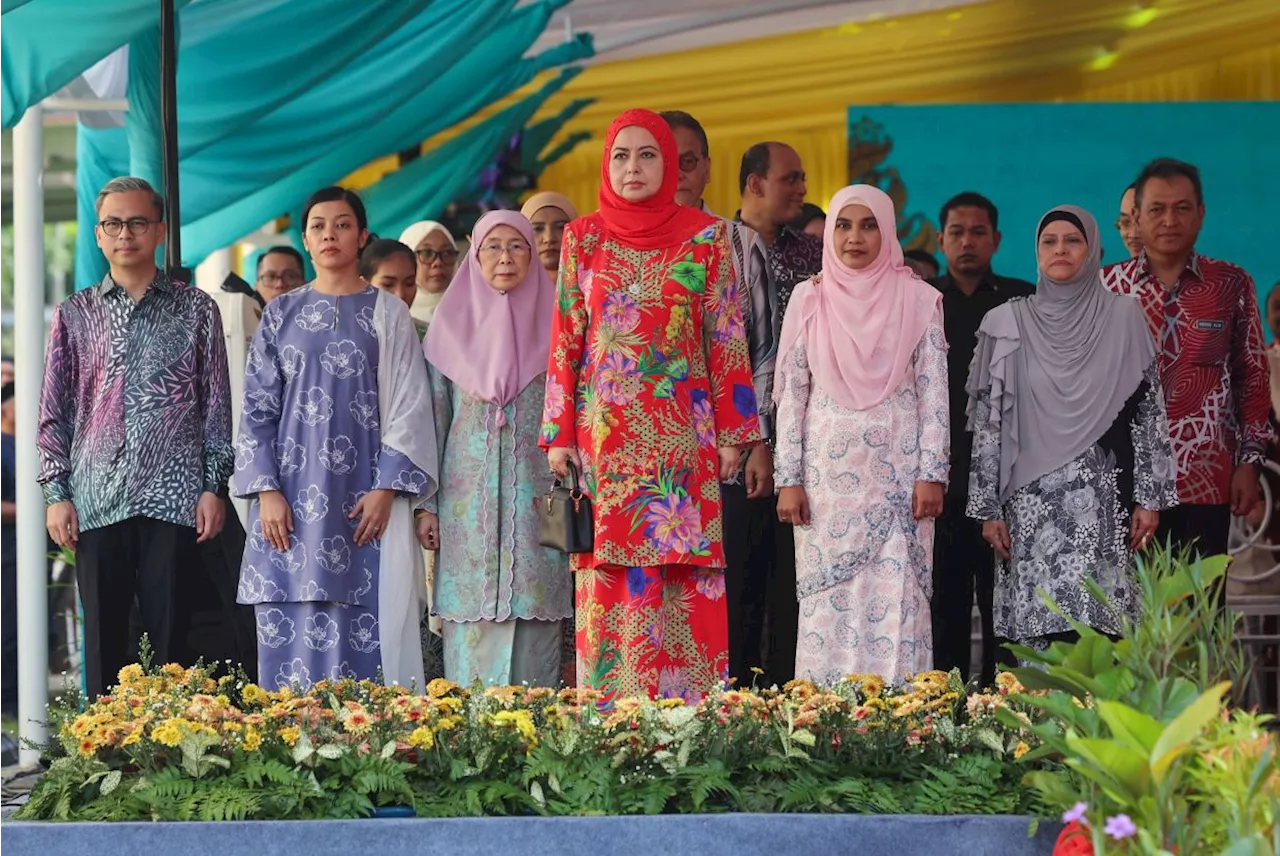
x=28, y=358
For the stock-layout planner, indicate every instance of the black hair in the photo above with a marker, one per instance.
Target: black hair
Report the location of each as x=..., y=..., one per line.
x=923, y=256
x=284, y=250
x=808, y=213
x=335, y=194
x=755, y=161
x=680, y=119
x=969, y=199
x=1167, y=168
x=6, y=392
x=378, y=251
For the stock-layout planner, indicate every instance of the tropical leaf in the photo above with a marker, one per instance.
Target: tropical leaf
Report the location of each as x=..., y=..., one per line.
x=690, y=274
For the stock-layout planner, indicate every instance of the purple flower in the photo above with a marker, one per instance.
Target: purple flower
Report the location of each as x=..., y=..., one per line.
x=676, y=682
x=704, y=421
x=617, y=379
x=675, y=524
x=1075, y=814
x=553, y=402
x=709, y=582
x=1120, y=827
x=621, y=312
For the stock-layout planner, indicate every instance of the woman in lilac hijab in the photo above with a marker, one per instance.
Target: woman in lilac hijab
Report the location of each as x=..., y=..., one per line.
x=501, y=596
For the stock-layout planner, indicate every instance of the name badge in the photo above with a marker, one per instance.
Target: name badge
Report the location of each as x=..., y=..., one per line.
x=1211, y=325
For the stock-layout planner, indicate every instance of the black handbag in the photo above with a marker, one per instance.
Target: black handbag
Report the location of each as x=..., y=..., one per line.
x=564, y=517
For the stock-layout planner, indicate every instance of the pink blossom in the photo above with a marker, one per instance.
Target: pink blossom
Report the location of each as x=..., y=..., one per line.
x=674, y=524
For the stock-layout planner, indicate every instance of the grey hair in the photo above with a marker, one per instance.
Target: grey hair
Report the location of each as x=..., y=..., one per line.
x=129, y=184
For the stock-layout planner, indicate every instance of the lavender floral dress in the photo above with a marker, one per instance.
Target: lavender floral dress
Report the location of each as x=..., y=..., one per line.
x=864, y=565
x=309, y=429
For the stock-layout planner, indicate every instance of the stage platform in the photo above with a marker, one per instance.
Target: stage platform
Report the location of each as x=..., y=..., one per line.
x=705, y=835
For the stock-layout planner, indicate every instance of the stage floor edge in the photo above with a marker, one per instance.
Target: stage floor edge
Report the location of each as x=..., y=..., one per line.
x=705, y=835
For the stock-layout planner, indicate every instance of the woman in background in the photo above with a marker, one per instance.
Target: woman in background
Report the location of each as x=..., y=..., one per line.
x=391, y=266
x=437, y=254
x=502, y=597
x=549, y=213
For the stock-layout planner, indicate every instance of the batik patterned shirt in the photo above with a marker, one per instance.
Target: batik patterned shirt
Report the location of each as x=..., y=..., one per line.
x=1213, y=366
x=135, y=412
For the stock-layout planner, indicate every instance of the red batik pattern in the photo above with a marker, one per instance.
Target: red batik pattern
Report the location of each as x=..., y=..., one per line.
x=1213, y=366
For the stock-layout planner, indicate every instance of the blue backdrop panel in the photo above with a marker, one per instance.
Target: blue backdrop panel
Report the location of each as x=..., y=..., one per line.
x=1029, y=157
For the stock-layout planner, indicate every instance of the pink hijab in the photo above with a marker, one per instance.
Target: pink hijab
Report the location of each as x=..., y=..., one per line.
x=492, y=344
x=861, y=327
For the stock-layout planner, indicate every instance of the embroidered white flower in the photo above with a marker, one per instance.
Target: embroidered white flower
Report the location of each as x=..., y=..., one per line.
x=312, y=591
x=364, y=634
x=320, y=632
x=311, y=504
x=412, y=481
x=274, y=628
x=342, y=359
x=246, y=445
x=364, y=407
x=255, y=588
x=316, y=316
x=293, y=675
x=294, y=559
x=314, y=406
x=338, y=455
x=291, y=456
x=355, y=595
x=334, y=555
x=261, y=406
x=342, y=670
x=365, y=319
x=292, y=362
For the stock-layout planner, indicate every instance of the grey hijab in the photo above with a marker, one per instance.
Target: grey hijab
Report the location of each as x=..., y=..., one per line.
x=1060, y=365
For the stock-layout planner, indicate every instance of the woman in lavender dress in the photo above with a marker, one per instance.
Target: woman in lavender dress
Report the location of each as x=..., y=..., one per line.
x=336, y=448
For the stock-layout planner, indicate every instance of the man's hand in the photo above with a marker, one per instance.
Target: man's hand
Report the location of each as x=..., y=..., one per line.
x=1245, y=491
x=996, y=533
x=759, y=472
x=63, y=524
x=211, y=513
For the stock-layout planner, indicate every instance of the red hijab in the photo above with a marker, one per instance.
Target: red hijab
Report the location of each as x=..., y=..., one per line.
x=658, y=221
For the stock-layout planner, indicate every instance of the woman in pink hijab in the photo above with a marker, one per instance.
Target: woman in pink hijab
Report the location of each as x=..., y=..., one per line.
x=502, y=598
x=861, y=458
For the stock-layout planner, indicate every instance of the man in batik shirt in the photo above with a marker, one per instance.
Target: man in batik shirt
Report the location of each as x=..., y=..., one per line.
x=1204, y=316
x=135, y=431
x=772, y=182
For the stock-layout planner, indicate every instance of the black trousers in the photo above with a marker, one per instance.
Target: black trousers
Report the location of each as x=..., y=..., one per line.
x=138, y=557
x=745, y=579
x=782, y=617
x=1204, y=528
x=963, y=565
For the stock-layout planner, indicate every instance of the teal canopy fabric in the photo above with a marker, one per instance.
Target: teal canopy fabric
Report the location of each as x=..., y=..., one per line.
x=492, y=70
x=424, y=187
x=340, y=110
x=46, y=43
x=539, y=135
x=565, y=146
x=101, y=155
x=286, y=51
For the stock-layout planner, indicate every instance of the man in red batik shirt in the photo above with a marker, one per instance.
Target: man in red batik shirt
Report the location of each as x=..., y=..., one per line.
x=1204, y=316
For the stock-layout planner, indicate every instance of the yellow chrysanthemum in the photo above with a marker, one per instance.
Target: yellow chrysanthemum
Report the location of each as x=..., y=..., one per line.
x=252, y=739
x=422, y=738
x=669, y=703
x=448, y=723
x=357, y=722
x=168, y=733
x=134, y=736
x=449, y=705
x=872, y=686
x=440, y=687
x=1020, y=750
x=130, y=673
x=254, y=694
x=289, y=735
x=518, y=719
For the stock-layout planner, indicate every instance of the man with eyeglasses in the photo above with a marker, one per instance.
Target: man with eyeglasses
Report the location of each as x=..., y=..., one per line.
x=279, y=272
x=1127, y=222
x=748, y=497
x=135, y=431
x=1203, y=314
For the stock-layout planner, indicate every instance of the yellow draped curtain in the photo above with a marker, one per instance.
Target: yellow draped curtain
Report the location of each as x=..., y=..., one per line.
x=797, y=88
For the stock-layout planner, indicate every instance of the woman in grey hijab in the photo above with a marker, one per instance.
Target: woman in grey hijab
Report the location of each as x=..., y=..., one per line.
x=1071, y=456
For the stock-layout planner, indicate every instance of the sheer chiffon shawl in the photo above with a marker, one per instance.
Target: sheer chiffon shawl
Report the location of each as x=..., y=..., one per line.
x=408, y=426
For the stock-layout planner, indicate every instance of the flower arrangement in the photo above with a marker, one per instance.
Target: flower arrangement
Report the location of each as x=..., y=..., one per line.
x=173, y=744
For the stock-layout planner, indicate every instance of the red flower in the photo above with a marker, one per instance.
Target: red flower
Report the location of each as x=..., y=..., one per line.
x=1073, y=841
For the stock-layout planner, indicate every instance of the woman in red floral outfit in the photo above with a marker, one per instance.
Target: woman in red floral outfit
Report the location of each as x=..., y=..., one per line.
x=649, y=391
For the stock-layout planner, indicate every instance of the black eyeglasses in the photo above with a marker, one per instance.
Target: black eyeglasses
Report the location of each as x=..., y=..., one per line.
x=427, y=256
x=137, y=225
x=689, y=162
